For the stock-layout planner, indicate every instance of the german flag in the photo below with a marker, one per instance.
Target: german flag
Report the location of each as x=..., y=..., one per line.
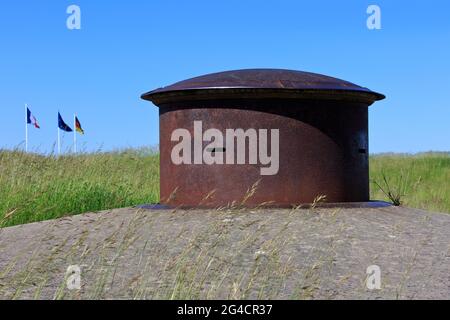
x=78, y=127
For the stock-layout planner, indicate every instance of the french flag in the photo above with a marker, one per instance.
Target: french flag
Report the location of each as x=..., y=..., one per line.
x=32, y=120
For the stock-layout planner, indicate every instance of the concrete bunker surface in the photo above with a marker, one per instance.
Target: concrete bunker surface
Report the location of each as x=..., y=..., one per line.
x=230, y=254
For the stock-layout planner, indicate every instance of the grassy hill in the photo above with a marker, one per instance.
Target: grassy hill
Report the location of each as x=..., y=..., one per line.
x=35, y=187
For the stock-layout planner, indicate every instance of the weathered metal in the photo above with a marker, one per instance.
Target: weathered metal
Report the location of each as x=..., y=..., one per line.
x=323, y=137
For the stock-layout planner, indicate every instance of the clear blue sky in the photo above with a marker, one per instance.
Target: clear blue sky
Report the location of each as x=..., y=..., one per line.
x=126, y=48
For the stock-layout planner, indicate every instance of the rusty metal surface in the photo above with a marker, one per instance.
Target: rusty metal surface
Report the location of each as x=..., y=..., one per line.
x=261, y=81
x=323, y=140
x=323, y=151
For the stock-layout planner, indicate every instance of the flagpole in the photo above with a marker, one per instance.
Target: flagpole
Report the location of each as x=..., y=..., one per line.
x=26, y=127
x=59, y=140
x=74, y=133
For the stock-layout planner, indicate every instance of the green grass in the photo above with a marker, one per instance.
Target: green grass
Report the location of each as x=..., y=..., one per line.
x=421, y=181
x=35, y=188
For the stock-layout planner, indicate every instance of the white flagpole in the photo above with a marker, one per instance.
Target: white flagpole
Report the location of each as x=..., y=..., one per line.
x=26, y=127
x=59, y=140
x=74, y=134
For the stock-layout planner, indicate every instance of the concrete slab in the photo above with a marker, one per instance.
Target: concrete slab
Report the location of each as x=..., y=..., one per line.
x=320, y=253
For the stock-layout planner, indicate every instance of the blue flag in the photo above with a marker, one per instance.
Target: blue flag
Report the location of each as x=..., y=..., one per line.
x=62, y=125
x=28, y=116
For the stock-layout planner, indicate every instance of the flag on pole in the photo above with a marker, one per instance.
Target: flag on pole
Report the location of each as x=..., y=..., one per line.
x=62, y=125
x=31, y=119
x=78, y=127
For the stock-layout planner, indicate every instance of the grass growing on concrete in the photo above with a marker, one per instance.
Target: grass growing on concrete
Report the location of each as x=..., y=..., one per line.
x=230, y=253
x=35, y=187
